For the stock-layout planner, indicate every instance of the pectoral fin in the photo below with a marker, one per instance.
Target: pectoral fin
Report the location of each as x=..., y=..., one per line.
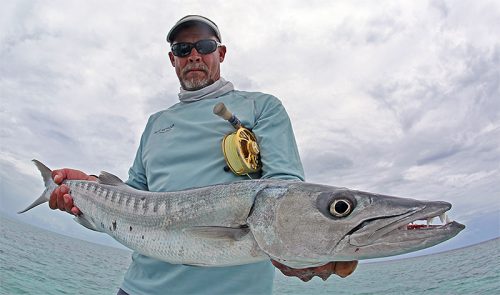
x=219, y=232
x=84, y=222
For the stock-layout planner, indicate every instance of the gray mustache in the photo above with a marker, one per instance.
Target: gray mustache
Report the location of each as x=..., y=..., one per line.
x=200, y=67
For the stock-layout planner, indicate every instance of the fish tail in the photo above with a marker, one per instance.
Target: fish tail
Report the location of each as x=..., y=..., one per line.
x=49, y=186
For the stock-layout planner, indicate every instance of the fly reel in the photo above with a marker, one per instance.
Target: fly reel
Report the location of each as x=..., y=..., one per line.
x=241, y=152
x=240, y=148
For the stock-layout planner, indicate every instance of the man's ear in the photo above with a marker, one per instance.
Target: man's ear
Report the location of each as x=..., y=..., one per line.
x=222, y=53
x=171, y=56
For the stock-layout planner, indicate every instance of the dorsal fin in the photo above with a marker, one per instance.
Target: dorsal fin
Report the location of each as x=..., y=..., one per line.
x=110, y=179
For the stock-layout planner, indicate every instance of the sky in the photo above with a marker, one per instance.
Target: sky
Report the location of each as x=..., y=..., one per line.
x=393, y=97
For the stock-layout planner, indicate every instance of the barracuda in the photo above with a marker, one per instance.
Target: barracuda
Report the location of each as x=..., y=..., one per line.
x=296, y=223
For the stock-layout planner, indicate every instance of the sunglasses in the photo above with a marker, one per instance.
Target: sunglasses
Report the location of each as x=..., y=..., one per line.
x=183, y=49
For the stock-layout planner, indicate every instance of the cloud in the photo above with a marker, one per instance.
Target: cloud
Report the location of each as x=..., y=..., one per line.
x=392, y=97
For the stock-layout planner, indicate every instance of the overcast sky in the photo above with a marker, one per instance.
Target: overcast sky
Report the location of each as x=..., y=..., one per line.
x=393, y=97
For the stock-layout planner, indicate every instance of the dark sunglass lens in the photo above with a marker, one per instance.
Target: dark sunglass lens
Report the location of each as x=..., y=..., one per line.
x=203, y=47
x=182, y=49
x=206, y=46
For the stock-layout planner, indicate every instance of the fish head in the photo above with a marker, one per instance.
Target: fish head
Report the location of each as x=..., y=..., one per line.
x=304, y=225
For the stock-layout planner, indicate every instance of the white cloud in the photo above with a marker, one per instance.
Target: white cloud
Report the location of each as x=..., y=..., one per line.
x=393, y=97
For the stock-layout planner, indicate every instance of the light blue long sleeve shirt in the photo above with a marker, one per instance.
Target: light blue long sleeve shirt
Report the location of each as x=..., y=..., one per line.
x=180, y=149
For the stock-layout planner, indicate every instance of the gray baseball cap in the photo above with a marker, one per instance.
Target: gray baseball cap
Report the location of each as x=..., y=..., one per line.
x=189, y=19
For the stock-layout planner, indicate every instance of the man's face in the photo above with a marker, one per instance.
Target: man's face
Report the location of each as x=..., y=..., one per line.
x=196, y=70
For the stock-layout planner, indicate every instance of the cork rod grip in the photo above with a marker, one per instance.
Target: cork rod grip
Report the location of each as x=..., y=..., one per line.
x=221, y=110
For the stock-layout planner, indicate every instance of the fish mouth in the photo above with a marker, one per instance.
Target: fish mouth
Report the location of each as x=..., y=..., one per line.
x=426, y=221
x=429, y=223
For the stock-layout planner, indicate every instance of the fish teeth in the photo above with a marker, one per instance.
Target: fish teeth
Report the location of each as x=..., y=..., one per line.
x=442, y=217
x=448, y=220
x=429, y=220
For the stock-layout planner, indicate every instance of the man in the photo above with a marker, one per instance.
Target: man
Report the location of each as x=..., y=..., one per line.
x=180, y=149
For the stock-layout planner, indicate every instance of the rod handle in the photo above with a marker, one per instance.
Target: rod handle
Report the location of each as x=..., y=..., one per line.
x=221, y=111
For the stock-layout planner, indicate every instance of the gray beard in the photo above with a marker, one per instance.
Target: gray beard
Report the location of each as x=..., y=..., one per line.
x=216, y=89
x=193, y=84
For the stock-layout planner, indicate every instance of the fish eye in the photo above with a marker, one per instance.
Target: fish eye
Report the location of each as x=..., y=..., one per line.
x=341, y=207
x=336, y=204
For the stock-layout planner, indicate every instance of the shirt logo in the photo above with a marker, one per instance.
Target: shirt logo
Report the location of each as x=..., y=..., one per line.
x=164, y=130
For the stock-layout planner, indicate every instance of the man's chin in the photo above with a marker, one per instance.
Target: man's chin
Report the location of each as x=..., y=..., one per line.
x=192, y=85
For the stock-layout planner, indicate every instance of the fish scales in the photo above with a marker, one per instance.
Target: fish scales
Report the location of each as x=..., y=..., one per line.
x=295, y=223
x=158, y=233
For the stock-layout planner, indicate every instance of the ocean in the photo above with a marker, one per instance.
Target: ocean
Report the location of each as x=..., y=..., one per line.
x=36, y=261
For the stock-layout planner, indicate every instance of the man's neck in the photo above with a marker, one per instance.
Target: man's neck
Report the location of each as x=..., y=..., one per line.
x=216, y=89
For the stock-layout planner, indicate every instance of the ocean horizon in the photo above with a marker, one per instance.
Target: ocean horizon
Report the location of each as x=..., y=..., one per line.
x=38, y=261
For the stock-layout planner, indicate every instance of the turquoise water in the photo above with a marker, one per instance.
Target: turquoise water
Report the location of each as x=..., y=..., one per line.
x=35, y=261
x=470, y=270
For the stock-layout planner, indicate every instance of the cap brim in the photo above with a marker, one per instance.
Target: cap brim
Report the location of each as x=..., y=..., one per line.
x=190, y=20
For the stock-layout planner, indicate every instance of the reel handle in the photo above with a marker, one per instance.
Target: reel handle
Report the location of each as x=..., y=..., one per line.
x=221, y=111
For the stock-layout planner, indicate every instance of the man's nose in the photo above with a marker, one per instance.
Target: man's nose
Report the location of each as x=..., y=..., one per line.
x=194, y=56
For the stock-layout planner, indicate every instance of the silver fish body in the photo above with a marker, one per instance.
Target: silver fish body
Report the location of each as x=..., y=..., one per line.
x=298, y=224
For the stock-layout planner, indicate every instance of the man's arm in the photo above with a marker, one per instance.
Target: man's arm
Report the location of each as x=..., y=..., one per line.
x=278, y=150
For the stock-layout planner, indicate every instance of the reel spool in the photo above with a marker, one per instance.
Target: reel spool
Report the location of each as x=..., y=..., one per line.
x=241, y=152
x=240, y=148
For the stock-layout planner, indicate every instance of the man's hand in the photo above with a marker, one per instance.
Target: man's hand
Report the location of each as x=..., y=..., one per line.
x=340, y=268
x=60, y=197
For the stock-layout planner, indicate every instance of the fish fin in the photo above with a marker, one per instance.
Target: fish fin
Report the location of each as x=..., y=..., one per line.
x=44, y=170
x=219, y=232
x=109, y=179
x=47, y=179
x=85, y=222
x=42, y=199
